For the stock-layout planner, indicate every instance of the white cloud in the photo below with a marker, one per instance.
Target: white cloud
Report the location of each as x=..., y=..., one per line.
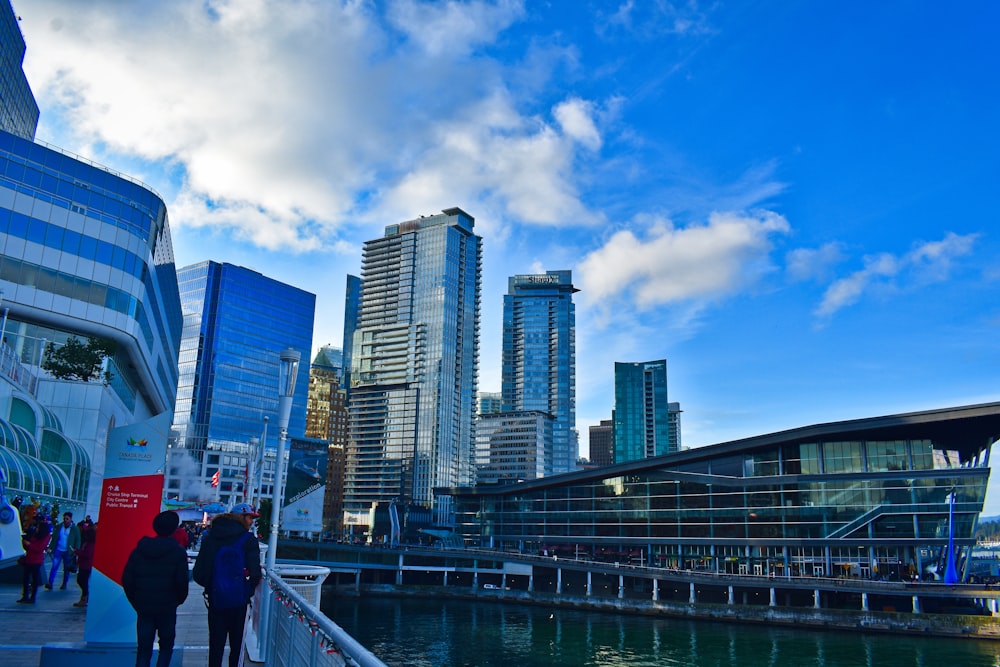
x=668, y=265
x=927, y=263
x=286, y=121
x=813, y=263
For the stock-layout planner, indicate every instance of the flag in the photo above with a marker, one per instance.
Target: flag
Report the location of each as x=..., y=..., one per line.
x=215, y=478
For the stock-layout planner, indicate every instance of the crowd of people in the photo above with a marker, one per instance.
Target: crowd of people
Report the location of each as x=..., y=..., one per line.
x=155, y=577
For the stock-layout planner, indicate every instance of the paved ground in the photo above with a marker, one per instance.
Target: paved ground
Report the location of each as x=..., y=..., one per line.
x=25, y=628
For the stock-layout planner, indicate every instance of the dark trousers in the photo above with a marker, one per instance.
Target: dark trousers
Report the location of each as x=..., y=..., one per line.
x=223, y=624
x=30, y=579
x=146, y=627
x=83, y=581
x=59, y=558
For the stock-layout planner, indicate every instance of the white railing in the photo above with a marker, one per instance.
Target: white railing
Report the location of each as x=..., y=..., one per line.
x=287, y=629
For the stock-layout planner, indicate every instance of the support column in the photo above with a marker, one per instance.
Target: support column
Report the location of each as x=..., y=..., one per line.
x=590, y=588
x=691, y=598
x=816, y=600
x=772, y=602
x=621, y=586
x=656, y=590
x=559, y=581
x=916, y=604
x=399, y=571
x=357, y=580
x=445, y=573
x=531, y=581
x=503, y=581
x=864, y=602
x=475, y=578
x=730, y=599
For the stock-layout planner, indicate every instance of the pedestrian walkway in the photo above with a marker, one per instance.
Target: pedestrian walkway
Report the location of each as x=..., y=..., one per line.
x=25, y=628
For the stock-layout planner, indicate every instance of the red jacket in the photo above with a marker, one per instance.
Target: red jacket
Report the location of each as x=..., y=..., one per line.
x=34, y=548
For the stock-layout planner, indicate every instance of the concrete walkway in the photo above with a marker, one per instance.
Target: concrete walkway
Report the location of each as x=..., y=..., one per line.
x=25, y=628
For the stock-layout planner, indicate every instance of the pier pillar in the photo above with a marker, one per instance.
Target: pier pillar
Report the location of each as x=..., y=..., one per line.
x=559, y=581
x=773, y=602
x=445, y=577
x=475, y=579
x=691, y=598
x=730, y=599
x=656, y=590
x=621, y=586
x=816, y=600
x=503, y=581
x=589, y=584
x=399, y=571
x=864, y=602
x=531, y=581
x=994, y=606
x=916, y=604
x=357, y=580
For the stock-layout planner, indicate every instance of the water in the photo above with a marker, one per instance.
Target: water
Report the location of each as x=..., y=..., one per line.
x=454, y=633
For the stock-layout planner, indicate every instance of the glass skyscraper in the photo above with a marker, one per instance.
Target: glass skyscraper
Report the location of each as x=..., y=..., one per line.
x=414, y=366
x=85, y=253
x=642, y=419
x=236, y=323
x=539, y=357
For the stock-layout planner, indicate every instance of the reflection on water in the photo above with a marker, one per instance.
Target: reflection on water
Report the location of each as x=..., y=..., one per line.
x=452, y=633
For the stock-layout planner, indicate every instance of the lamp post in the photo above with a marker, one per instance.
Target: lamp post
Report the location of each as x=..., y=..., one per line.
x=286, y=387
x=259, y=467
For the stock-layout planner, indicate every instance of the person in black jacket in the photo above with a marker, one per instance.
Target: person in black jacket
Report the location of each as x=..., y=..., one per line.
x=155, y=580
x=229, y=621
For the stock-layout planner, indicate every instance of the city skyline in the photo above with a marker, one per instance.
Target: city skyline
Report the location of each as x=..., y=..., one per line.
x=787, y=204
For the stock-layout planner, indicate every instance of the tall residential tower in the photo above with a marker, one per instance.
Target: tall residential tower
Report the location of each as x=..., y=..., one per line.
x=414, y=366
x=641, y=416
x=539, y=357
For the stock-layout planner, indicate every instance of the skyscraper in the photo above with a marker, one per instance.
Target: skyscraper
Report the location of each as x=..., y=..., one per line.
x=414, y=368
x=85, y=257
x=539, y=356
x=602, y=443
x=641, y=412
x=236, y=323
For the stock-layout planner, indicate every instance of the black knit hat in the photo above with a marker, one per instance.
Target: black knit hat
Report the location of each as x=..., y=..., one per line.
x=165, y=523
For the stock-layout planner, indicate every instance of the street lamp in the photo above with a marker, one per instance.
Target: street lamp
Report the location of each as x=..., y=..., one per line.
x=286, y=387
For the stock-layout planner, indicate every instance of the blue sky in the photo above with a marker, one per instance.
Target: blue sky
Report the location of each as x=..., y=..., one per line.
x=791, y=202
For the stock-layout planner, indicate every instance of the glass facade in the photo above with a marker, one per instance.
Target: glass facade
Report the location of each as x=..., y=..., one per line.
x=869, y=496
x=18, y=110
x=236, y=323
x=642, y=415
x=538, y=369
x=414, y=366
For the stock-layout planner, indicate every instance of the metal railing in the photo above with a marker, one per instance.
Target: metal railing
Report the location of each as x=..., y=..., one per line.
x=287, y=629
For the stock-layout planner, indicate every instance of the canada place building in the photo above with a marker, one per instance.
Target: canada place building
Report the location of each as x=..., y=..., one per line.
x=414, y=366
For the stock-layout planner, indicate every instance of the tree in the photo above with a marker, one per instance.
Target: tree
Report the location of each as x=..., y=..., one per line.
x=78, y=361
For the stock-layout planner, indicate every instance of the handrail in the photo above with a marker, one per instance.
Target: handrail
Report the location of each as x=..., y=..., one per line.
x=298, y=634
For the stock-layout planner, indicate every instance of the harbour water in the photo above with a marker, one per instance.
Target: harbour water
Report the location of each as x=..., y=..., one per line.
x=453, y=633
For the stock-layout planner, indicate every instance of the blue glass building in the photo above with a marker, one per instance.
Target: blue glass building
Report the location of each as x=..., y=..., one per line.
x=236, y=323
x=414, y=367
x=85, y=252
x=539, y=357
x=642, y=416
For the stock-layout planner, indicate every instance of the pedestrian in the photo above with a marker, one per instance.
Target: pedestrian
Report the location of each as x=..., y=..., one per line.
x=228, y=567
x=85, y=560
x=36, y=540
x=65, y=541
x=182, y=537
x=155, y=581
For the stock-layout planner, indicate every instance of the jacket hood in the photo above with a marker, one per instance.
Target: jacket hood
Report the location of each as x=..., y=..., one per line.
x=156, y=547
x=225, y=530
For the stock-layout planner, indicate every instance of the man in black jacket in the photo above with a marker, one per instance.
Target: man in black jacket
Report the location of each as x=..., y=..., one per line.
x=155, y=580
x=226, y=620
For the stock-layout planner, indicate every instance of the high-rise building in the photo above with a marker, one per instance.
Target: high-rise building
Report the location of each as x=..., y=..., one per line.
x=326, y=420
x=352, y=305
x=236, y=323
x=513, y=446
x=641, y=413
x=488, y=402
x=86, y=264
x=674, y=426
x=414, y=366
x=18, y=110
x=539, y=357
x=602, y=443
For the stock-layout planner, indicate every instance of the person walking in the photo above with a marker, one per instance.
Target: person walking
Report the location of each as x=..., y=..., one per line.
x=36, y=540
x=155, y=581
x=228, y=567
x=65, y=542
x=85, y=560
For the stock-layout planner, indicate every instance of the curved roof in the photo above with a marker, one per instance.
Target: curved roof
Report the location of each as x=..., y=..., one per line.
x=969, y=430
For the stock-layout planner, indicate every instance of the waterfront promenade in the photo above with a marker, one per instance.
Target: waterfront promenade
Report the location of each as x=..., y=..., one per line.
x=53, y=619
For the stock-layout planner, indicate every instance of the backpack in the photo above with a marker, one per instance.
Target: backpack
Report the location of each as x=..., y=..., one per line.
x=230, y=577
